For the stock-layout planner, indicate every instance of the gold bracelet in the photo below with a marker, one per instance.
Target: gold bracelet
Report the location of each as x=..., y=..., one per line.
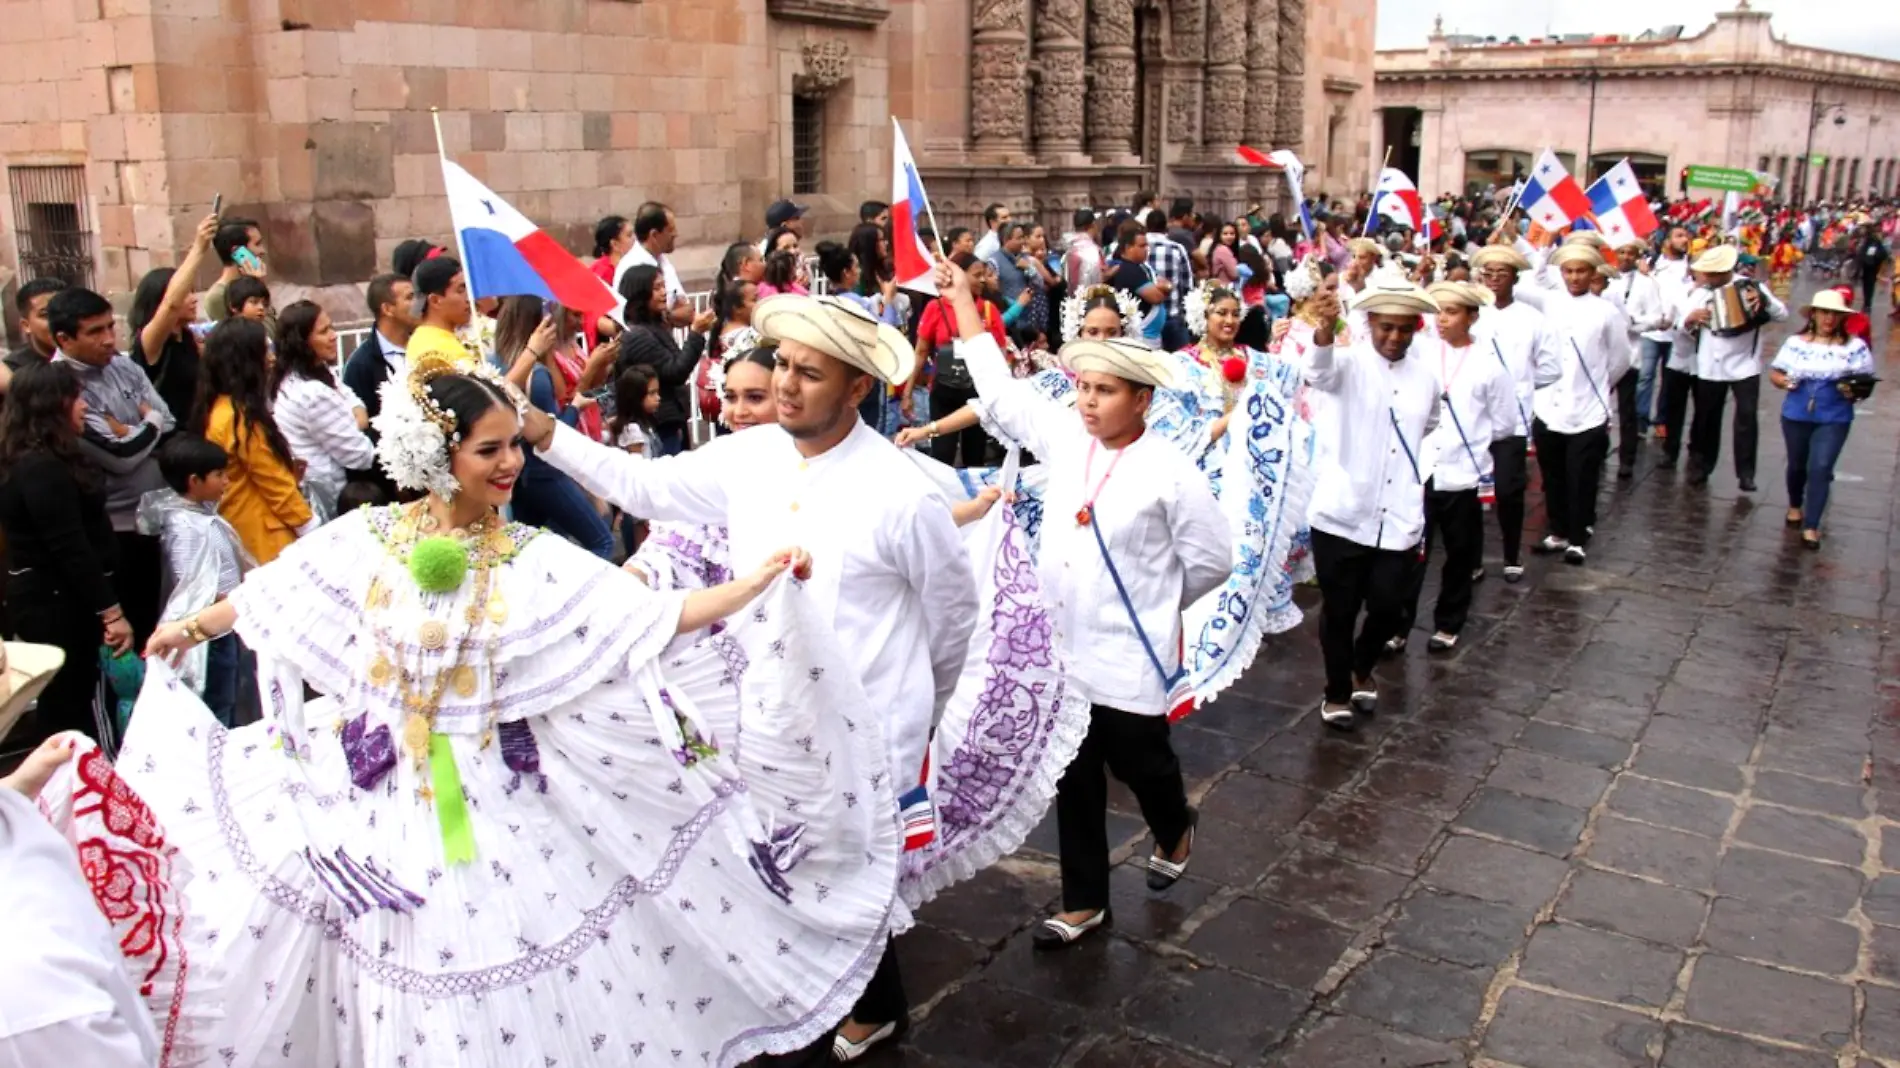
x=195, y=631
x=932, y=430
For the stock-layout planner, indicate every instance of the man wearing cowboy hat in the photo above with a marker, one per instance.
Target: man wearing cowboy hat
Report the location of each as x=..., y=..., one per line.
x=1636, y=295
x=1724, y=365
x=887, y=561
x=1368, y=510
x=1517, y=337
x=1571, y=427
x=1133, y=536
x=67, y=996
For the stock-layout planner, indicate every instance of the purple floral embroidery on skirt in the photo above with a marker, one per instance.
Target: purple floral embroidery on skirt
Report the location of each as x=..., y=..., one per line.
x=522, y=755
x=370, y=751
x=772, y=860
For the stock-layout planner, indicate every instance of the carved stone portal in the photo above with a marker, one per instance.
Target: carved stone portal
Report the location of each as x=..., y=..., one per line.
x=999, y=76
x=1263, y=78
x=1291, y=106
x=1112, y=74
x=1059, y=83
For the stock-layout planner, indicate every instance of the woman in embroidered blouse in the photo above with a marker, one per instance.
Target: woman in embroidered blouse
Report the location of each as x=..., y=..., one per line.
x=323, y=423
x=262, y=500
x=535, y=821
x=1819, y=410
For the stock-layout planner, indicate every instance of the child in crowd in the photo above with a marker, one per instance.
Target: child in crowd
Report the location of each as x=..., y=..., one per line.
x=203, y=562
x=636, y=399
x=249, y=298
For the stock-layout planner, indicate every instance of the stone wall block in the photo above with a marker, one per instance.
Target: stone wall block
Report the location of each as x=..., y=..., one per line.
x=353, y=160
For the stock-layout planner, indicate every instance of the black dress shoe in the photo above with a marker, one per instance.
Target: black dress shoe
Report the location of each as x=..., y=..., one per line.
x=1624, y=474
x=1748, y=485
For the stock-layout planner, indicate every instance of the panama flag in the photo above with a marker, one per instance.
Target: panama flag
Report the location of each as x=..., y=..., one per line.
x=1396, y=198
x=507, y=256
x=1621, y=207
x=1551, y=197
x=914, y=260
x=1288, y=164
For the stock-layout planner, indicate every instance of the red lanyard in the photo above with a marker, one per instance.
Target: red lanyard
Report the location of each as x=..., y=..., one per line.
x=1447, y=377
x=1086, y=514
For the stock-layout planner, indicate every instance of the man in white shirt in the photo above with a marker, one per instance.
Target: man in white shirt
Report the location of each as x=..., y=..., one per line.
x=995, y=222
x=1516, y=337
x=1477, y=407
x=1368, y=510
x=1133, y=536
x=1671, y=275
x=887, y=562
x=1724, y=365
x=1082, y=259
x=1573, y=413
x=1637, y=295
x=655, y=232
x=65, y=995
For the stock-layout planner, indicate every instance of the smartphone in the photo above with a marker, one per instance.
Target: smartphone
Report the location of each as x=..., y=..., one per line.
x=246, y=259
x=217, y=202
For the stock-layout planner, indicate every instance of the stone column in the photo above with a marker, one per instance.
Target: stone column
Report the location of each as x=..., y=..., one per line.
x=1263, y=76
x=1225, y=118
x=1187, y=62
x=999, y=78
x=1291, y=105
x=1060, y=85
x=1111, y=66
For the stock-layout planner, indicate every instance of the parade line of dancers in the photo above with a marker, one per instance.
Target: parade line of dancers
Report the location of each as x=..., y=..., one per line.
x=510, y=804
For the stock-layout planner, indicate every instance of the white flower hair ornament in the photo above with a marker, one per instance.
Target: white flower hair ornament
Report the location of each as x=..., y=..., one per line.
x=416, y=435
x=1302, y=281
x=1075, y=308
x=1201, y=298
x=735, y=345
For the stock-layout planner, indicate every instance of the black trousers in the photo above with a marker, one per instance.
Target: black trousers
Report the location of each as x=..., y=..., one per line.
x=1355, y=578
x=137, y=580
x=1457, y=516
x=1869, y=285
x=1705, y=434
x=1137, y=750
x=1627, y=430
x=1510, y=467
x=1573, y=470
x=70, y=702
x=945, y=401
x=1678, y=387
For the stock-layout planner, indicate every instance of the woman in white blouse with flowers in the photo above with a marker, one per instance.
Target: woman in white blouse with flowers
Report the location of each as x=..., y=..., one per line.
x=321, y=420
x=1815, y=366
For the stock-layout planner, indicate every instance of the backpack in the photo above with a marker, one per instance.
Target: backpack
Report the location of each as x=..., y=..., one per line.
x=1873, y=253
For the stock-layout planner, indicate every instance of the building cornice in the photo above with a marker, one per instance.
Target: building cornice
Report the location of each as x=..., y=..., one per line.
x=851, y=14
x=1647, y=71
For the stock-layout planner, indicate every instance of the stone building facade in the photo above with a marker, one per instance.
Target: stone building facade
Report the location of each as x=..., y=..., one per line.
x=120, y=120
x=1460, y=113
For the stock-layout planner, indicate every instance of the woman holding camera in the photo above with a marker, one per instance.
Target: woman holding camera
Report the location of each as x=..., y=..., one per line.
x=1825, y=371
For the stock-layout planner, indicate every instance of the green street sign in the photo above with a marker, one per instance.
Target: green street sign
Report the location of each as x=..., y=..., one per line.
x=1817, y=160
x=1728, y=179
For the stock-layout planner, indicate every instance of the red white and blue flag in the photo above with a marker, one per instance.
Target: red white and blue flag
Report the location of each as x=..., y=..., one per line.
x=1396, y=198
x=1620, y=207
x=914, y=261
x=1552, y=198
x=508, y=256
x=1288, y=164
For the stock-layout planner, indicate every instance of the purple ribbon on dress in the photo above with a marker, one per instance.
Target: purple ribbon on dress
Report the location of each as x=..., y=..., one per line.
x=522, y=755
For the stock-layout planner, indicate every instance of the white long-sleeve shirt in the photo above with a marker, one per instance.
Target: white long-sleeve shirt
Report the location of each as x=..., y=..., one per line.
x=1673, y=283
x=1478, y=405
x=888, y=566
x=1371, y=484
x=1169, y=539
x=1593, y=349
x=1640, y=299
x=1518, y=339
x=65, y=997
x=1727, y=359
x=319, y=424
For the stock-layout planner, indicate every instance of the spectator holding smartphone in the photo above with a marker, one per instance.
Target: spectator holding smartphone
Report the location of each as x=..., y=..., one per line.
x=240, y=248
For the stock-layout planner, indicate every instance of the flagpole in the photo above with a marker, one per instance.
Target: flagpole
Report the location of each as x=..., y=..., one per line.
x=1374, y=206
x=442, y=153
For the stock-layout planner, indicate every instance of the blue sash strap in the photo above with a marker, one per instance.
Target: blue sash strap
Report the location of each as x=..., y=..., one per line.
x=1403, y=444
x=1167, y=681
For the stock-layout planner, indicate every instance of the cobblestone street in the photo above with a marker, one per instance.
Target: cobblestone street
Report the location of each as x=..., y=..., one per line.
x=1641, y=818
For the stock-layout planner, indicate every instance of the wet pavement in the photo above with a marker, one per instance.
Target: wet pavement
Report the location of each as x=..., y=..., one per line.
x=1643, y=817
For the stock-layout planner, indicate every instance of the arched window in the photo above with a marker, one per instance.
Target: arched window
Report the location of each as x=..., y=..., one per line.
x=1652, y=170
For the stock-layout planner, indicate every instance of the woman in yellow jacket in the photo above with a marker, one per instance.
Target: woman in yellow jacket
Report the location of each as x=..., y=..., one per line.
x=262, y=499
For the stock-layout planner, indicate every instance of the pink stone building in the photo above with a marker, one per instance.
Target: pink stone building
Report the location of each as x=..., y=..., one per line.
x=120, y=120
x=1460, y=113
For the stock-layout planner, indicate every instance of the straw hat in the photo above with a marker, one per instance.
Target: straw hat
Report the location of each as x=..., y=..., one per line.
x=1827, y=300
x=839, y=329
x=1587, y=237
x=1461, y=294
x=1503, y=254
x=1577, y=252
x=25, y=669
x=1718, y=260
x=1122, y=358
x=1393, y=294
